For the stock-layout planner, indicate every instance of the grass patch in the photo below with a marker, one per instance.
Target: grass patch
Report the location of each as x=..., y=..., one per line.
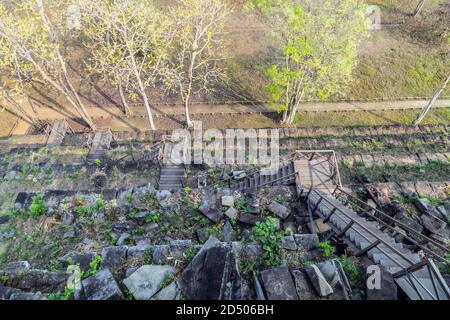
x=439, y=116
x=432, y=171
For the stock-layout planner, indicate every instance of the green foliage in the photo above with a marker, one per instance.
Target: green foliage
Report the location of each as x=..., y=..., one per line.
x=93, y=267
x=148, y=257
x=213, y=231
x=9, y=213
x=82, y=211
x=98, y=163
x=266, y=234
x=130, y=198
x=354, y=275
x=318, y=44
x=167, y=280
x=38, y=206
x=327, y=249
x=4, y=279
x=242, y=205
x=26, y=169
x=189, y=253
x=445, y=267
x=280, y=199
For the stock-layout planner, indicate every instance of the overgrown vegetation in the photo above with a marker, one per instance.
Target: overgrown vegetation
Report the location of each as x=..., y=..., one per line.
x=38, y=207
x=354, y=274
x=266, y=234
x=327, y=249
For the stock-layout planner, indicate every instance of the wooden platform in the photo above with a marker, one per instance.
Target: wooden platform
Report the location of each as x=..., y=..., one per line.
x=314, y=173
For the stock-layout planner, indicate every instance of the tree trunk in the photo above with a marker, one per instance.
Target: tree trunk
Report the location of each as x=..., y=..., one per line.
x=126, y=107
x=187, y=97
x=186, y=111
x=78, y=104
x=419, y=8
x=284, y=118
x=431, y=103
x=142, y=90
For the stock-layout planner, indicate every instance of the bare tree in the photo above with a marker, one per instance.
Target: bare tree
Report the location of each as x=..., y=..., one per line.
x=198, y=27
x=130, y=44
x=32, y=41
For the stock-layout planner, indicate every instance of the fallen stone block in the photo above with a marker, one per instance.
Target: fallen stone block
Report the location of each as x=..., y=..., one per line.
x=250, y=219
x=387, y=289
x=146, y=281
x=228, y=201
x=278, y=284
x=74, y=258
x=232, y=213
x=171, y=292
x=304, y=288
x=279, y=210
x=113, y=257
x=319, y=282
x=26, y=296
x=307, y=241
x=288, y=243
x=101, y=286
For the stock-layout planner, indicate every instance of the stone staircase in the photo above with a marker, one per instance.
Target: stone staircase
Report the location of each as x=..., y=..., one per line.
x=285, y=175
x=57, y=134
x=171, y=175
x=100, y=144
x=419, y=279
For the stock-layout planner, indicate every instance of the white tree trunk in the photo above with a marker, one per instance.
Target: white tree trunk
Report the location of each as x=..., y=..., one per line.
x=431, y=103
x=142, y=89
x=419, y=8
x=126, y=107
x=187, y=97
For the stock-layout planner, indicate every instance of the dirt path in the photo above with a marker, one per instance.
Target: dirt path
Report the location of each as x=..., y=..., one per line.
x=106, y=114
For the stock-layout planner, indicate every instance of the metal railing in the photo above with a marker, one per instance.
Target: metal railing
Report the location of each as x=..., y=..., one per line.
x=327, y=155
x=406, y=271
x=396, y=222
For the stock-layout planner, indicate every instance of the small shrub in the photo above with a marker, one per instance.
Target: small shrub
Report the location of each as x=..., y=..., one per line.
x=280, y=199
x=26, y=169
x=97, y=163
x=327, y=249
x=148, y=257
x=153, y=217
x=38, y=207
x=9, y=213
x=130, y=198
x=93, y=267
x=346, y=163
x=354, y=275
x=189, y=253
x=167, y=280
x=4, y=279
x=265, y=233
x=241, y=204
